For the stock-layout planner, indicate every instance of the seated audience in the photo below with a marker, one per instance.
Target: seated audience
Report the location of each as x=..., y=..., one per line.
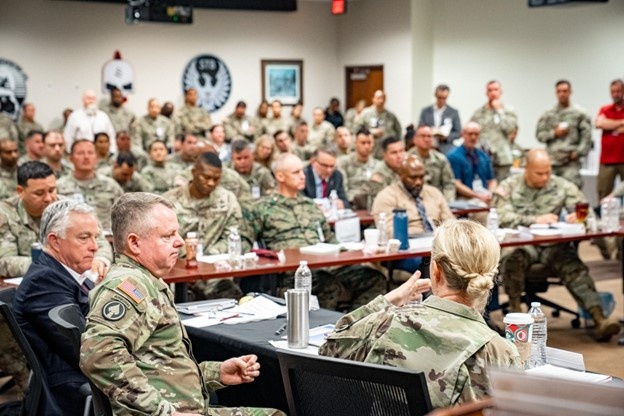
x=124, y=144
x=357, y=168
x=259, y=178
x=239, y=124
x=192, y=118
x=321, y=132
x=33, y=146
x=124, y=172
x=301, y=145
x=342, y=141
x=69, y=232
x=322, y=177
x=217, y=140
x=159, y=173
x=152, y=126
x=445, y=337
x=54, y=153
x=264, y=150
x=102, y=151
x=115, y=108
x=187, y=154
x=385, y=173
x=135, y=348
x=8, y=164
x=332, y=113
x=283, y=142
x=27, y=123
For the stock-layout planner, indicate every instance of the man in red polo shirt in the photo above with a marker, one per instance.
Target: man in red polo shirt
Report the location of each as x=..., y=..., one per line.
x=611, y=120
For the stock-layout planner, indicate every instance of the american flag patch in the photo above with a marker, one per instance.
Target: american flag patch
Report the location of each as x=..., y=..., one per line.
x=130, y=290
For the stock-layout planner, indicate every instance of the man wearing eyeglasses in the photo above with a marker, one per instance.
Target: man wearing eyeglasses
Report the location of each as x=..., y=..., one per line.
x=322, y=177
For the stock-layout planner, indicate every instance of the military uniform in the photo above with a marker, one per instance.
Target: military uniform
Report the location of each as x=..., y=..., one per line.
x=260, y=181
x=23, y=127
x=18, y=231
x=230, y=180
x=8, y=129
x=356, y=174
x=176, y=159
x=147, y=129
x=496, y=125
x=517, y=204
x=382, y=177
x=387, y=121
x=100, y=192
x=297, y=222
x=194, y=120
x=136, y=183
x=438, y=172
x=578, y=140
x=66, y=168
x=449, y=342
x=304, y=153
x=132, y=316
x=9, y=179
x=271, y=125
x=243, y=127
x=161, y=177
x=321, y=135
x=121, y=117
x=25, y=158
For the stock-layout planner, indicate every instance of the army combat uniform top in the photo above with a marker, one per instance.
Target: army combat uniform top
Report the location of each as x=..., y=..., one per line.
x=447, y=341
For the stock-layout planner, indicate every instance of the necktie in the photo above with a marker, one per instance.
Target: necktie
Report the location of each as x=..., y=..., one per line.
x=324, y=188
x=423, y=215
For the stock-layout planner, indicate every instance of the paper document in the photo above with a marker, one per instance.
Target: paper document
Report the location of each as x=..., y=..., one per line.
x=321, y=248
x=205, y=319
x=14, y=280
x=213, y=258
x=257, y=309
x=283, y=344
x=549, y=370
x=422, y=243
x=318, y=334
x=192, y=308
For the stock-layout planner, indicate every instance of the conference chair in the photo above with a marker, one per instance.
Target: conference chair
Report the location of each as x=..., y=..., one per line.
x=71, y=324
x=320, y=386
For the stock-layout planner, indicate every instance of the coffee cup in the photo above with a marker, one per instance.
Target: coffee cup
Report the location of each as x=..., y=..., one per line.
x=519, y=330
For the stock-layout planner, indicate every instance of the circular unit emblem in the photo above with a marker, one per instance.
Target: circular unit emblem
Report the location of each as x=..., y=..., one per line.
x=211, y=78
x=114, y=310
x=12, y=88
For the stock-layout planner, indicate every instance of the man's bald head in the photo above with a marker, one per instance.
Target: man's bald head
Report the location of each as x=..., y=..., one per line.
x=412, y=174
x=538, y=168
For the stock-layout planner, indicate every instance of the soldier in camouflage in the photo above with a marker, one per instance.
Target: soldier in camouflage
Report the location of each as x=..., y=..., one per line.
x=8, y=130
x=357, y=169
x=189, y=149
x=27, y=123
x=124, y=172
x=54, y=154
x=321, y=132
x=204, y=207
x=192, y=119
x=277, y=122
x=566, y=132
x=300, y=145
x=259, y=178
x=85, y=185
x=379, y=121
x=159, y=172
x=445, y=337
x=497, y=124
x=152, y=126
x=437, y=166
x=386, y=171
x=8, y=165
x=287, y=219
x=240, y=124
x=132, y=314
x=537, y=197
x=20, y=216
x=120, y=116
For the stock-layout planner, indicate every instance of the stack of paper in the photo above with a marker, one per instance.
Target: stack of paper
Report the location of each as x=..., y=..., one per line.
x=321, y=248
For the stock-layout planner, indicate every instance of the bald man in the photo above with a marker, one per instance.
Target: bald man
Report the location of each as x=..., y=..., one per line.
x=538, y=197
x=425, y=205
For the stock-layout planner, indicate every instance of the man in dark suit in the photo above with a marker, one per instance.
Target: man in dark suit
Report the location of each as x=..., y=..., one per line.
x=322, y=177
x=68, y=234
x=443, y=119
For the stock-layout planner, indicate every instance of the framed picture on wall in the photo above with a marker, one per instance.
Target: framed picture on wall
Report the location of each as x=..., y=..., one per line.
x=282, y=80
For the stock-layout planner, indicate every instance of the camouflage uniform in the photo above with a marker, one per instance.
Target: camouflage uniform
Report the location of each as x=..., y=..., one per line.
x=66, y=168
x=9, y=179
x=25, y=158
x=161, y=177
x=211, y=218
x=235, y=126
x=18, y=231
x=304, y=153
x=194, y=120
x=271, y=125
x=146, y=130
x=494, y=137
x=12, y=360
x=8, y=129
x=371, y=119
x=578, y=140
x=517, y=204
x=297, y=222
x=185, y=165
x=449, y=342
x=100, y=192
x=260, y=181
x=230, y=180
x=321, y=135
x=438, y=172
x=136, y=183
x=122, y=335
x=355, y=173
x=382, y=177
x=121, y=117
x=23, y=127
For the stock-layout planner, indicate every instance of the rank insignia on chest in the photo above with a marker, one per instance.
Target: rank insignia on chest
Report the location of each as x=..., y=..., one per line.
x=129, y=289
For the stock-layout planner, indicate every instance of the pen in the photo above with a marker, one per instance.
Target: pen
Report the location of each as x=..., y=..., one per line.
x=280, y=329
x=229, y=317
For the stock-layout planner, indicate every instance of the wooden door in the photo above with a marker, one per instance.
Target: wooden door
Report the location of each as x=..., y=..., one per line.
x=362, y=82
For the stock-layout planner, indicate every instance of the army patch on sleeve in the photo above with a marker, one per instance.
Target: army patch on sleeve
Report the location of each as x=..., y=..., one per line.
x=129, y=289
x=113, y=310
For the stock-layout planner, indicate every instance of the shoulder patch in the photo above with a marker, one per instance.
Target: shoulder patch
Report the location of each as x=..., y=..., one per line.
x=129, y=289
x=113, y=310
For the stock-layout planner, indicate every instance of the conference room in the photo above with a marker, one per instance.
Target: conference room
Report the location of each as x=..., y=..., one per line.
x=62, y=48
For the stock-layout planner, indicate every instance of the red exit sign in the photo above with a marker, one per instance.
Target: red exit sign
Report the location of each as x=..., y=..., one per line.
x=339, y=7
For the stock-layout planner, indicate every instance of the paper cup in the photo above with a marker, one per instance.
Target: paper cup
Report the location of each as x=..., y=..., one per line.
x=519, y=330
x=371, y=237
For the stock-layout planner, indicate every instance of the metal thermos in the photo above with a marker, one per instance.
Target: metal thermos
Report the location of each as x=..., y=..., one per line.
x=399, y=222
x=35, y=251
x=298, y=317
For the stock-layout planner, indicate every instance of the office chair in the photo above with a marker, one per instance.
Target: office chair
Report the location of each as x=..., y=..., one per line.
x=320, y=386
x=71, y=324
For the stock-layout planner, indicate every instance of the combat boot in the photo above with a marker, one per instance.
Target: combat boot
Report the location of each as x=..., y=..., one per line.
x=605, y=327
x=515, y=304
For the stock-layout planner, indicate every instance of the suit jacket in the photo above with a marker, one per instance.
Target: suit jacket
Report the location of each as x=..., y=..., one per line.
x=48, y=284
x=335, y=182
x=426, y=118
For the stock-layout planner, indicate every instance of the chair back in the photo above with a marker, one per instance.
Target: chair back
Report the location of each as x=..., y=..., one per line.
x=70, y=323
x=319, y=386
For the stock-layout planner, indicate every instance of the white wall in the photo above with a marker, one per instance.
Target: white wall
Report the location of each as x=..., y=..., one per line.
x=527, y=50
x=63, y=45
x=376, y=32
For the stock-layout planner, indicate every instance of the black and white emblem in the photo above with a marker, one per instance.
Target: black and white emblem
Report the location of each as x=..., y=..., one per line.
x=12, y=88
x=211, y=78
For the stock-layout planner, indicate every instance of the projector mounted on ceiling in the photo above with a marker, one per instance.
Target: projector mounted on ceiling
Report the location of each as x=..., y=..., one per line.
x=158, y=11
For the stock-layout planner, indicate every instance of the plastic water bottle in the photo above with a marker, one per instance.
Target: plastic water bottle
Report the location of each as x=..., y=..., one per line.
x=303, y=277
x=333, y=205
x=614, y=214
x=540, y=334
x=382, y=227
x=492, y=221
x=234, y=248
